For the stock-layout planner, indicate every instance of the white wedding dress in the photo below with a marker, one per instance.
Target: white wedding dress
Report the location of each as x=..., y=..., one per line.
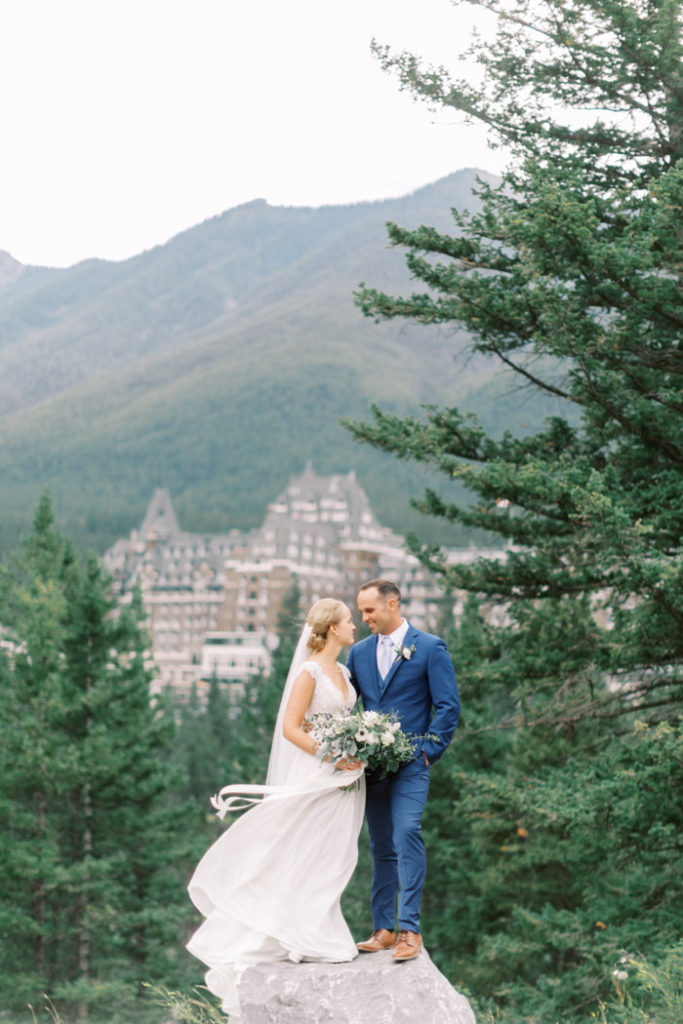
x=270, y=886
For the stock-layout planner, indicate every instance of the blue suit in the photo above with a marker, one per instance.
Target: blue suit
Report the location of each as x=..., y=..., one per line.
x=423, y=692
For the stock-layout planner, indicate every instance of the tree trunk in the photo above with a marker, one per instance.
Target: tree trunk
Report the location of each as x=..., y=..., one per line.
x=40, y=895
x=84, y=897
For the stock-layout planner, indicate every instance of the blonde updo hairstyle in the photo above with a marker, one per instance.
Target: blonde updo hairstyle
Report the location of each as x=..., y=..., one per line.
x=324, y=613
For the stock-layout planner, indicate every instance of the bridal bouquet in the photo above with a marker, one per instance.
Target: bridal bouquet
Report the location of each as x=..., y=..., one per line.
x=372, y=737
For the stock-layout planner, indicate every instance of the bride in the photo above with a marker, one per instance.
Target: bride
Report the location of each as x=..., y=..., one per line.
x=270, y=886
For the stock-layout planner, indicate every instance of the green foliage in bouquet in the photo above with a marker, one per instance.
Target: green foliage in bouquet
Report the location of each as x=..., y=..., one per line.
x=372, y=737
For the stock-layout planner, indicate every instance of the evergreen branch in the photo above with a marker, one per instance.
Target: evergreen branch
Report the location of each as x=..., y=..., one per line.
x=594, y=710
x=671, y=450
x=532, y=378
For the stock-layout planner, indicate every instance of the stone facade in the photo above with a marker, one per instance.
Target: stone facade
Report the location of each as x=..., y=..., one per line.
x=211, y=598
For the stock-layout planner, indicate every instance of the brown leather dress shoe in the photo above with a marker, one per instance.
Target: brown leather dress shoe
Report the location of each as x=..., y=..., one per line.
x=408, y=945
x=379, y=940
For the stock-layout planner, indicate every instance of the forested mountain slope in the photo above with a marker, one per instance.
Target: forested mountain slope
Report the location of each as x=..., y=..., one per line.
x=217, y=364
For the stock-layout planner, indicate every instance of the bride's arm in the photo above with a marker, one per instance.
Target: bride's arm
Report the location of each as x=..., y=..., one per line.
x=297, y=706
x=295, y=712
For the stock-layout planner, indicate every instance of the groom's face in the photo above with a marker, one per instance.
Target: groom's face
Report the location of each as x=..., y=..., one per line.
x=379, y=613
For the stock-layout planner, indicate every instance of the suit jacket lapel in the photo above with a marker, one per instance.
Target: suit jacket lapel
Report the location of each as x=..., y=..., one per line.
x=373, y=675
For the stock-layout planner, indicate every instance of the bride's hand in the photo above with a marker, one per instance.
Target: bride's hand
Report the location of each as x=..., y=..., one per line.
x=348, y=765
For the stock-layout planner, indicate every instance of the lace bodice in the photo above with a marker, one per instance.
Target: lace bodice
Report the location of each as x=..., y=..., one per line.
x=327, y=697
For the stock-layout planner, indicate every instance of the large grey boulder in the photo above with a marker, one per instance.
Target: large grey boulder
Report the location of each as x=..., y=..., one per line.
x=369, y=990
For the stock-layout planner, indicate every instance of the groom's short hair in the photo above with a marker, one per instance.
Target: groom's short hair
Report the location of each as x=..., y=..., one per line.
x=385, y=588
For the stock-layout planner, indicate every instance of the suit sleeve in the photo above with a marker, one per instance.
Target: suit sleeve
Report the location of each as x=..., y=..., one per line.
x=445, y=700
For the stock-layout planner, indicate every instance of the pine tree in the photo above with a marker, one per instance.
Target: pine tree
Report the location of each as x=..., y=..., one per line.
x=94, y=845
x=554, y=833
x=196, y=748
x=144, y=825
x=32, y=757
x=571, y=277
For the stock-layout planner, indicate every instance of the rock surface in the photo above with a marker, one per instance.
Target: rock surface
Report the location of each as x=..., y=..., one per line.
x=370, y=990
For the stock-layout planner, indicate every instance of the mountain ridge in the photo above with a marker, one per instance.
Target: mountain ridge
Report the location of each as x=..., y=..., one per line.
x=216, y=365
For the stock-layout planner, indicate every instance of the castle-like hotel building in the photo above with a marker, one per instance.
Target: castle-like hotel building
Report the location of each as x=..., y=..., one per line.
x=213, y=599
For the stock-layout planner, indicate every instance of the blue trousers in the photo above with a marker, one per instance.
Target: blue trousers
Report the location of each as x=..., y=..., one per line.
x=393, y=809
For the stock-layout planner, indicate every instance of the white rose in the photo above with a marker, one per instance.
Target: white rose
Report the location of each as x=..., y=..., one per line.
x=395, y=726
x=407, y=653
x=388, y=738
x=370, y=717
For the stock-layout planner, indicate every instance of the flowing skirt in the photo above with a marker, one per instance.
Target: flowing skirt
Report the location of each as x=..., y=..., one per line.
x=270, y=886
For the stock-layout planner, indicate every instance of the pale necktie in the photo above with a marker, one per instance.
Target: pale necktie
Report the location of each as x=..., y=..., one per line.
x=386, y=655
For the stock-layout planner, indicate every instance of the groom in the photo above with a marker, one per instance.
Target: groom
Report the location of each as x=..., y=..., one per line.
x=404, y=670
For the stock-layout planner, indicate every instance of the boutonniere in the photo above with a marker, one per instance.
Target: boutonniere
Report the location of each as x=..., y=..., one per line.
x=404, y=653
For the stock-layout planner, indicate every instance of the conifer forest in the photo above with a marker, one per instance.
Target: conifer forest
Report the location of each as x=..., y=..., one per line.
x=554, y=825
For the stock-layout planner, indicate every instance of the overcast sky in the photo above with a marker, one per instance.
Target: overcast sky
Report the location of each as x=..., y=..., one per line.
x=125, y=121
